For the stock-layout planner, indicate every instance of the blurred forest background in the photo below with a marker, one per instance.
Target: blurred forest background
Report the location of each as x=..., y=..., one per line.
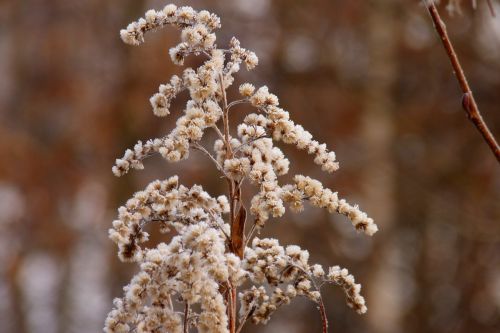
x=370, y=78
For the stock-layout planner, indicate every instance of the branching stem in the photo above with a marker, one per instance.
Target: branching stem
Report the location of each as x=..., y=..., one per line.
x=468, y=102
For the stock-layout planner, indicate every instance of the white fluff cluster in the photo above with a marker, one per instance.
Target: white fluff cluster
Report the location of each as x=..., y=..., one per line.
x=204, y=83
x=161, y=100
x=190, y=269
x=266, y=164
x=306, y=188
x=202, y=111
x=168, y=204
x=208, y=257
x=288, y=273
x=240, y=55
x=341, y=277
x=281, y=128
x=197, y=26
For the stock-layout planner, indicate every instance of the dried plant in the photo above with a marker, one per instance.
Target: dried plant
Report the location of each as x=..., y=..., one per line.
x=192, y=280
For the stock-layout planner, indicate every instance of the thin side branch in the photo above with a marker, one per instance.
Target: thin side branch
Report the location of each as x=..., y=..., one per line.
x=245, y=317
x=219, y=133
x=199, y=147
x=249, y=142
x=250, y=234
x=468, y=102
x=239, y=101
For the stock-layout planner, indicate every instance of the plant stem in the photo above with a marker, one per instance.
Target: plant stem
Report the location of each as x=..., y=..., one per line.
x=231, y=295
x=186, y=317
x=240, y=101
x=324, y=320
x=199, y=147
x=468, y=102
x=245, y=317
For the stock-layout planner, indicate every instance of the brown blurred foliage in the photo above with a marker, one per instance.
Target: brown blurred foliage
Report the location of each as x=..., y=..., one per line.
x=368, y=77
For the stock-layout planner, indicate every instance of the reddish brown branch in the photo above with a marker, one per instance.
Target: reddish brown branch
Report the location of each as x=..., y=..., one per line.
x=324, y=319
x=468, y=102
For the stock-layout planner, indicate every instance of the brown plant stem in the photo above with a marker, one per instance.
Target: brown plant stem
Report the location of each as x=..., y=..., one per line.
x=186, y=317
x=231, y=295
x=468, y=102
x=324, y=319
x=231, y=306
x=321, y=305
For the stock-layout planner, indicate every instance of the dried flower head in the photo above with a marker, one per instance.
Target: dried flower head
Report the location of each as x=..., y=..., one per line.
x=192, y=280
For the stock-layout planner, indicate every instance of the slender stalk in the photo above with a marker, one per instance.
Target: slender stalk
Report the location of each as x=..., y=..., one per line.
x=250, y=233
x=219, y=133
x=468, y=102
x=244, y=318
x=239, y=101
x=324, y=320
x=231, y=296
x=199, y=147
x=249, y=142
x=225, y=117
x=233, y=310
x=186, y=317
x=231, y=305
x=321, y=305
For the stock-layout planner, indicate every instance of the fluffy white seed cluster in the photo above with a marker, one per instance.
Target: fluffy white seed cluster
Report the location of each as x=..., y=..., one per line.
x=204, y=84
x=202, y=111
x=306, y=188
x=240, y=55
x=168, y=204
x=196, y=26
x=197, y=268
x=190, y=269
x=288, y=273
x=166, y=93
x=132, y=159
x=341, y=277
x=281, y=128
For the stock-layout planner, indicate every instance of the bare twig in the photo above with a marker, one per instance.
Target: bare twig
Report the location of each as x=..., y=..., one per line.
x=468, y=101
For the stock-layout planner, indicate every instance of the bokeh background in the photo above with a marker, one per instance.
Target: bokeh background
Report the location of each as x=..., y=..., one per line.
x=370, y=78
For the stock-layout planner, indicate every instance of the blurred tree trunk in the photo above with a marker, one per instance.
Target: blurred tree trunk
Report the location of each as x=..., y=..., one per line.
x=378, y=177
